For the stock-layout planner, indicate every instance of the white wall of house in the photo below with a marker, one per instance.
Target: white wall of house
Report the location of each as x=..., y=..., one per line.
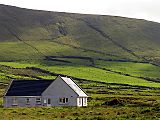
x=59, y=90
x=21, y=101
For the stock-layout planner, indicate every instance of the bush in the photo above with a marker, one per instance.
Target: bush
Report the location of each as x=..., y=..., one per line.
x=114, y=102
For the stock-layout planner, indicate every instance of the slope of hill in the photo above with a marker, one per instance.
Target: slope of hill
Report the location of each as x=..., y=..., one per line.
x=57, y=42
x=30, y=34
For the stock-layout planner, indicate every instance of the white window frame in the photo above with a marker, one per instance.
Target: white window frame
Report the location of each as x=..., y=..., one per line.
x=45, y=101
x=38, y=101
x=85, y=101
x=27, y=101
x=63, y=100
x=14, y=101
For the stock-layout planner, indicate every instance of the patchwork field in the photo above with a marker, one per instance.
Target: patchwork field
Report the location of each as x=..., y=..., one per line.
x=135, y=74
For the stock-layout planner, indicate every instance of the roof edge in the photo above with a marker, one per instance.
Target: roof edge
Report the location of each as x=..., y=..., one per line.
x=5, y=92
x=79, y=87
x=69, y=86
x=73, y=89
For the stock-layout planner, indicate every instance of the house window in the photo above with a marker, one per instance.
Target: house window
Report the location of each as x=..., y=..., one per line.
x=14, y=101
x=27, y=101
x=49, y=101
x=60, y=100
x=38, y=100
x=63, y=100
x=45, y=101
x=66, y=100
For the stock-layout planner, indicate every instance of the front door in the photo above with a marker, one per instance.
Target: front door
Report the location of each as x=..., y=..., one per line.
x=49, y=102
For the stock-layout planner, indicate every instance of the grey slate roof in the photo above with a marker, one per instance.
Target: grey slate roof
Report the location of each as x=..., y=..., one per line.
x=28, y=87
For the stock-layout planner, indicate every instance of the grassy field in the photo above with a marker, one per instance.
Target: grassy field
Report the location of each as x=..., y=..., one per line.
x=113, y=95
x=134, y=69
x=87, y=72
x=113, y=103
x=33, y=50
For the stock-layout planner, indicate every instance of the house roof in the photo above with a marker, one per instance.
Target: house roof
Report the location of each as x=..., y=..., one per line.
x=74, y=86
x=37, y=87
x=27, y=87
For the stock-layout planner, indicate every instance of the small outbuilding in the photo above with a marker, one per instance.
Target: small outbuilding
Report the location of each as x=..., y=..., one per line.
x=63, y=91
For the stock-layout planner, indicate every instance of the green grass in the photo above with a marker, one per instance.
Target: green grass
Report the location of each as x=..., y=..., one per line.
x=88, y=73
x=95, y=74
x=138, y=106
x=19, y=71
x=18, y=64
x=18, y=51
x=134, y=69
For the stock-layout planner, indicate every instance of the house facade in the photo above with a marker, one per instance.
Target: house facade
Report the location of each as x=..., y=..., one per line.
x=63, y=91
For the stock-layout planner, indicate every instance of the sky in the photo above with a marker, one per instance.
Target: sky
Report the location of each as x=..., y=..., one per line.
x=141, y=9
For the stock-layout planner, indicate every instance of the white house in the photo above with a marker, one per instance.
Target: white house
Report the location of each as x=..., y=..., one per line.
x=63, y=91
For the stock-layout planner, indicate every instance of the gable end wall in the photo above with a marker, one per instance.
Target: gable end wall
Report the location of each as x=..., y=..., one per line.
x=59, y=89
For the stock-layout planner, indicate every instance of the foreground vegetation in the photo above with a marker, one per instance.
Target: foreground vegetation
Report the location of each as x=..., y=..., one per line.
x=117, y=90
x=114, y=102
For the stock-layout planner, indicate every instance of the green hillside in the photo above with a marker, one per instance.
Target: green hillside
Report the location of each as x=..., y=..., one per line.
x=115, y=60
x=92, y=47
x=27, y=34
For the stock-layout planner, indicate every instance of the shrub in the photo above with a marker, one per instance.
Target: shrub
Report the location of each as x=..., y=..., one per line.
x=114, y=102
